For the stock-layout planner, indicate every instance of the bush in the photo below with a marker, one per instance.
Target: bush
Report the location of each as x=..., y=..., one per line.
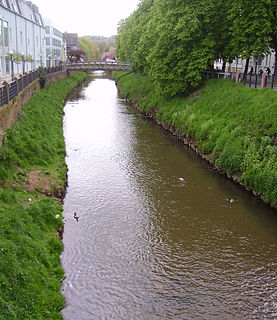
x=42, y=76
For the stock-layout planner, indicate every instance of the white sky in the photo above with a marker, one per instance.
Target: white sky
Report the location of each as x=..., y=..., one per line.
x=86, y=17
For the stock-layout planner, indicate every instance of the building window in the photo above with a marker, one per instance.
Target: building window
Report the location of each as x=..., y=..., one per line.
x=6, y=34
x=48, y=41
x=37, y=41
x=11, y=39
x=1, y=40
x=14, y=5
x=28, y=42
x=8, y=4
x=21, y=38
x=7, y=60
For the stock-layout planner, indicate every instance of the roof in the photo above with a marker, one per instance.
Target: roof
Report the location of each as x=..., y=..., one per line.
x=71, y=39
x=24, y=8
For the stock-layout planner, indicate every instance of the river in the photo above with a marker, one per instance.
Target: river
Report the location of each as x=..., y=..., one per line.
x=156, y=236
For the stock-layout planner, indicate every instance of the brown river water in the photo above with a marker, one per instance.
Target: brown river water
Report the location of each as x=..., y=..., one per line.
x=156, y=237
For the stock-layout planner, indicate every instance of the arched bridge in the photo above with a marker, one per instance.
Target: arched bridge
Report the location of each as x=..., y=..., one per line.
x=99, y=65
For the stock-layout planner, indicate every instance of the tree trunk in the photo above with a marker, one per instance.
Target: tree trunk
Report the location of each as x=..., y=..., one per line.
x=275, y=68
x=246, y=69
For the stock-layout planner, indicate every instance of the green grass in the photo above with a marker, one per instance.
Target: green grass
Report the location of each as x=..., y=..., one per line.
x=30, y=257
x=36, y=139
x=30, y=248
x=235, y=125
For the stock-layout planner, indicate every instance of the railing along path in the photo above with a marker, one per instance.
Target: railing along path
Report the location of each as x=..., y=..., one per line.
x=9, y=90
x=258, y=81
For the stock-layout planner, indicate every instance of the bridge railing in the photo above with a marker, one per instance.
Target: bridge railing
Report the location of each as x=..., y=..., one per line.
x=99, y=64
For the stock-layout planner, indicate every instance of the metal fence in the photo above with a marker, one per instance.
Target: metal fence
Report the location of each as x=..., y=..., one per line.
x=10, y=90
x=250, y=80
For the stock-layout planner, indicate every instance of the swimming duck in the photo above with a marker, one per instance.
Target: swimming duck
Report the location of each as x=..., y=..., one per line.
x=75, y=216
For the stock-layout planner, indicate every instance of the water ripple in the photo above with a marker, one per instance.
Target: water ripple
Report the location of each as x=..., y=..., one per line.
x=156, y=238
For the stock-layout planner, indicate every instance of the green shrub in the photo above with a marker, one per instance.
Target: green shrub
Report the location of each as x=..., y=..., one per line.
x=42, y=76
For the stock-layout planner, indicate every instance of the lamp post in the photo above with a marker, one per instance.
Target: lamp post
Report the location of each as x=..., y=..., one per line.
x=55, y=60
x=12, y=60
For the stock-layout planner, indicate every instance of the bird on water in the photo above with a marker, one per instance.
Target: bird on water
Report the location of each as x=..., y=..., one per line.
x=75, y=216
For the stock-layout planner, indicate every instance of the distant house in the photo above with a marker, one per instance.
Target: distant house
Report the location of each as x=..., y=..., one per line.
x=71, y=40
x=22, y=32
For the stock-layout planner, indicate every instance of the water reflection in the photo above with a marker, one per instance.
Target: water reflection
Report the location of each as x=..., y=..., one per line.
x=156, y=237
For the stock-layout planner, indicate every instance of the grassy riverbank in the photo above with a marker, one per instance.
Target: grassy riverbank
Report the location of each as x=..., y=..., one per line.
x=234, y=127
x=32, y=175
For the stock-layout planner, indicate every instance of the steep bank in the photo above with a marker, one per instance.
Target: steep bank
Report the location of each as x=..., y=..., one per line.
x=233, y=127
x=32, y=178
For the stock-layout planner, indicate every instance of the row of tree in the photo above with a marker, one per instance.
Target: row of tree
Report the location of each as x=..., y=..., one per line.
x=92, y=49
x=173, y=41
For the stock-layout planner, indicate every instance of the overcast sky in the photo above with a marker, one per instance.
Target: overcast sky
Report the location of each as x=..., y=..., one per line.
x=86, y=17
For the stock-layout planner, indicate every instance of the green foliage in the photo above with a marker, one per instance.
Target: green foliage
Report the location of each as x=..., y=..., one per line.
x=235, y=125
x=36, y=139
x=42, y=76
x=90, y=48
x=174, y=41
x=29, y=262
x=253, y=27
x=30, y=278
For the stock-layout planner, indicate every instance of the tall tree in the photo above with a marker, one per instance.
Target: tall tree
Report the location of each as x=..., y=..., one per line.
x=254, y=28
x=90, y=48
x=184, y=43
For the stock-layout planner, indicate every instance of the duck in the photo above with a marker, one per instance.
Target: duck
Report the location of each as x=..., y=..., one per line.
x=230, y=200
x=75, y=216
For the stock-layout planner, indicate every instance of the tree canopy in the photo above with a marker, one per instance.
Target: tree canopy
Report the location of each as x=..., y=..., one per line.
x=90, y=48
x=173, y=41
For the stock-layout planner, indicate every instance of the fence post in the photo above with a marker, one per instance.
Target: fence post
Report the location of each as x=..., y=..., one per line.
x=16, y=85
x=5, y=83
x=272, y=81
x=237, y=76
x=263, y=83
x=256, y=80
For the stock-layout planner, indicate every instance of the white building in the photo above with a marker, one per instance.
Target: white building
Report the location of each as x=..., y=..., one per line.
x=261, y=63
x=55, y=45
x=22, y=32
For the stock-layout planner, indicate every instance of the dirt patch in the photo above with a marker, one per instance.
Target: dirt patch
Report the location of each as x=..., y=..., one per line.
x=38, y=181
